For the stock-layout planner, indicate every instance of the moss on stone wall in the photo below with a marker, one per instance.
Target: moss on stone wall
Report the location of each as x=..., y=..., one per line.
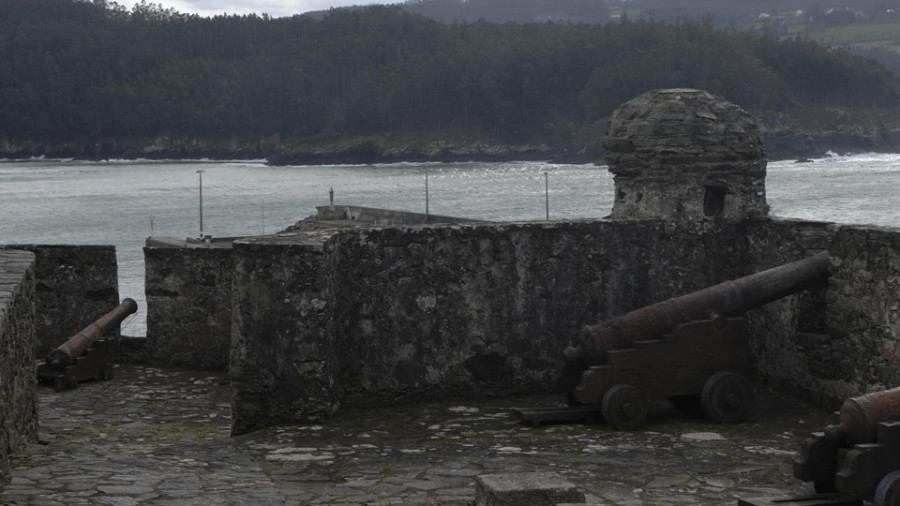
x=188, y=294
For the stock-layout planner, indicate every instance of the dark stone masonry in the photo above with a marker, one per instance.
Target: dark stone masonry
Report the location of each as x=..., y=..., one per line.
x=188, y=293
x=282, y=358
x=318, y=319
x=18, y=397
x=685, y=154
x=47, y=294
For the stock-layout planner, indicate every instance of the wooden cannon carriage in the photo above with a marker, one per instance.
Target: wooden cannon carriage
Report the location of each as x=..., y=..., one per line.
x=85, y=355
x=854, y=461
x=692, y=346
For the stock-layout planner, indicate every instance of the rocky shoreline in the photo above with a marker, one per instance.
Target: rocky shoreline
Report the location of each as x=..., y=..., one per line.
x=781, y=144
x=332, y=151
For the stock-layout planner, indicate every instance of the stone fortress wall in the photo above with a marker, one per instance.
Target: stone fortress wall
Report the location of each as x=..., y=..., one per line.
x=372, y=315
x=47, y=294
x=18, y=401
x=188, y=288
x=388, y=315
x=188, y=293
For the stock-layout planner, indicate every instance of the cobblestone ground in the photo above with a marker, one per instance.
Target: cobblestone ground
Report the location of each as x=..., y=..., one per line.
x=154, y=436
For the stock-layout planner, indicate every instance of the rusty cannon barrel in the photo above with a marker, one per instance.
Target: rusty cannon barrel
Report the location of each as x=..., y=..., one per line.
x=860, y=416
x=731, y=298
x=68, y=353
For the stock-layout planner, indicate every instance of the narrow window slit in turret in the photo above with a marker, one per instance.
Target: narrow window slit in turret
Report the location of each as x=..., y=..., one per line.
x=714, y=201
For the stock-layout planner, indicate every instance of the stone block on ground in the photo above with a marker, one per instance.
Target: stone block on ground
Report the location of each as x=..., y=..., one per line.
x=525, y=489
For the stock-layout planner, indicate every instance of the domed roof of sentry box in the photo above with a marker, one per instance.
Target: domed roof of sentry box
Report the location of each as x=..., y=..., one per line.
x=683, y=129
x=682, y=154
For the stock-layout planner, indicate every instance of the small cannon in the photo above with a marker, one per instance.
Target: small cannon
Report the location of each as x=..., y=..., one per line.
x=856, y=460
x=696, y=344
x=85, y=355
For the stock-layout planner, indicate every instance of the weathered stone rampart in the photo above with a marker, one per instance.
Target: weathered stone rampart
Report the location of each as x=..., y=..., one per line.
x=188, y=292
x=282, y=354
x=487, y=310
x=862, y=313
x=18, y=401
x=388, y=315
x=47, y=294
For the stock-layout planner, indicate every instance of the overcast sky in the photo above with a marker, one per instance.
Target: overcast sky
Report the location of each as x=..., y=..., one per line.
x=274, y=8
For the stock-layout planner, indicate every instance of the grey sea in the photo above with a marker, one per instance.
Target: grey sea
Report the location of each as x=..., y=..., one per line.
x=122, y=203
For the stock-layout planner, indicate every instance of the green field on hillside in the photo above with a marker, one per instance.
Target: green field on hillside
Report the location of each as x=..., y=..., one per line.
x=858, y=33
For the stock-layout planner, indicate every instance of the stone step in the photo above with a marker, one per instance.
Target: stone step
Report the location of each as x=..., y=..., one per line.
x=525, y=489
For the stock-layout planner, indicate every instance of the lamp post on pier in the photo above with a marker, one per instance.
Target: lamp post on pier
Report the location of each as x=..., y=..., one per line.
x=426, y=194
x=200, y=172
x=547, y=194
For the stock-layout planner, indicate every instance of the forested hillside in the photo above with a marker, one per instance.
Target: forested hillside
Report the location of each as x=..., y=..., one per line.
x=866, y=27
x=85, y=78
x=518, y=11
x=779, y=15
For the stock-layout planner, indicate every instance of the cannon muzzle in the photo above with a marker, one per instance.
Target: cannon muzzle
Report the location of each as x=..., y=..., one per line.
x=860, y=416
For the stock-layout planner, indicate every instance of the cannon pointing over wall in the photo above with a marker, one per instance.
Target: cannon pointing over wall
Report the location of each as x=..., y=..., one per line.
x=731, y=298
x=678, y=349
x=85, y=355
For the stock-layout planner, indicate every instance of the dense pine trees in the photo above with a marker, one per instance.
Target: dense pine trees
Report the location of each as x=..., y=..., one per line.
x=91, y=70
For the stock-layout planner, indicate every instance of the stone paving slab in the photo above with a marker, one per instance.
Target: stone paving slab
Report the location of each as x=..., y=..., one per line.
x=161, y=437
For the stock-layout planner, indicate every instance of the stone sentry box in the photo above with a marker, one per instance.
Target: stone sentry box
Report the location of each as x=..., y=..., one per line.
x=685, y=154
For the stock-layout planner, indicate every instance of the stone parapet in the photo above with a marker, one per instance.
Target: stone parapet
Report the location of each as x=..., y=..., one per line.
x=282, y=358
x=863, y=311
x=388, y=315
x=384, y=316
x=18, y=401
x=188, y=291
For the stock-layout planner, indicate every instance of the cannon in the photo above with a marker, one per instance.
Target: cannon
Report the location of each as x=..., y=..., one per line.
x=731, y=298
x=855, y=460
x=85, y=355
x=691, y=346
